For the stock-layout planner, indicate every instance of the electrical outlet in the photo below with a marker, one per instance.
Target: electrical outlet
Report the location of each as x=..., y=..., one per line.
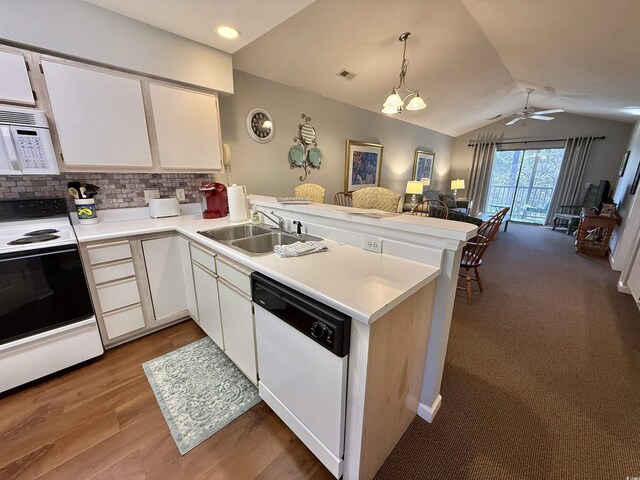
x=373, y=244
x=180, y=194
x=149, y=194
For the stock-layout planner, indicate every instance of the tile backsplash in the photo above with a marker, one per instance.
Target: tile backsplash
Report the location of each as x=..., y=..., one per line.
x=117, y=190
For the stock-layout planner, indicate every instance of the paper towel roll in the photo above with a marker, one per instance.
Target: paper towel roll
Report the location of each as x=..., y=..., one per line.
x=237, y=195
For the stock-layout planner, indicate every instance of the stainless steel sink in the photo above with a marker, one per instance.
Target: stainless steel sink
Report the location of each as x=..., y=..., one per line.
x=234, y=232
x=265, y=243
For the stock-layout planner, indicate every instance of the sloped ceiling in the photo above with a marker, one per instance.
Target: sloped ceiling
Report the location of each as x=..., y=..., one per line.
x=470, y=59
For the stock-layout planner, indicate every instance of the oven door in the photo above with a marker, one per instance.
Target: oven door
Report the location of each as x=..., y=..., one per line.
x=41, y=290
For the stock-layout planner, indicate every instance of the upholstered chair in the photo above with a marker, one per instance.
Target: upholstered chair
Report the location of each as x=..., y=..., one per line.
x=312, y=191
x=378, y=198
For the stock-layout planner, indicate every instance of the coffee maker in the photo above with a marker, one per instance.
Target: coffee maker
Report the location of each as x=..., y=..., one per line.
x=214, y=200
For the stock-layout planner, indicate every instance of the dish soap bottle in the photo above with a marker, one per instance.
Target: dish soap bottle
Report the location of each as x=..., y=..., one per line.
x=255, y=216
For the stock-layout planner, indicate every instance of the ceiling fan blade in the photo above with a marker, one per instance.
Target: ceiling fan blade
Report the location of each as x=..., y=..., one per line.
x=540, y=117
x=545, y=112
x=511, y=122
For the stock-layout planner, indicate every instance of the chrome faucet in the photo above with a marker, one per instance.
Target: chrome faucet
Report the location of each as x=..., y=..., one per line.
x=279, y=221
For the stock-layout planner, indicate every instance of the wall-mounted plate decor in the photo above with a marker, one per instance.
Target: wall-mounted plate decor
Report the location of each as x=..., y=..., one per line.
x=310, y=156
x=296, y=155
x=260, y=125
x=315, y=156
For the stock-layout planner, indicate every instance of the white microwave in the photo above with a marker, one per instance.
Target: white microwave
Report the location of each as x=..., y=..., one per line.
x=25, y=143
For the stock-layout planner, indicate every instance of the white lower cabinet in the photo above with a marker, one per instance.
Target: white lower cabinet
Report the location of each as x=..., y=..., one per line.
x=206, y=287
x=166, y=280
x=237, y=324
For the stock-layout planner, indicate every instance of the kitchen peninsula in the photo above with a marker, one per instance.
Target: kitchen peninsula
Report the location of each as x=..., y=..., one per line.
x=399, y=300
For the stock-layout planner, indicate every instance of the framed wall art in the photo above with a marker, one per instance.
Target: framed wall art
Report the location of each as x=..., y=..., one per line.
x=363, y=165
x=423, y=167
x=623, y=164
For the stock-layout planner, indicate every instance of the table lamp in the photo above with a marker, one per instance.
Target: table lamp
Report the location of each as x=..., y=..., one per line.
x=414, y=188
x=456, y=185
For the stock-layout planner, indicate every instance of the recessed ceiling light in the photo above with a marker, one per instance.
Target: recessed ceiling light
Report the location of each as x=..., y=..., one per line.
x=228, y=32
x=635, y=110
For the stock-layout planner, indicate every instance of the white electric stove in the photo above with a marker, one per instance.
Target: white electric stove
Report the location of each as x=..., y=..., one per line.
x=47, y=321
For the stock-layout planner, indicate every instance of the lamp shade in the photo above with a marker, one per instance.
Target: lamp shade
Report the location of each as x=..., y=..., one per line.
x=393, y=100
x=414, y=187
x=416, y=103
x=391, y=110
x=457, y=184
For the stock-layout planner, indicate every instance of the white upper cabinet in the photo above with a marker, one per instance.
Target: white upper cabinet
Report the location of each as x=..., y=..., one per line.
x=188, y=128
x=100, y=117
x=14, y=79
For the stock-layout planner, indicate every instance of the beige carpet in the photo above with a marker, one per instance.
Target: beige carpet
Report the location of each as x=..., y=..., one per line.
x=542, y=379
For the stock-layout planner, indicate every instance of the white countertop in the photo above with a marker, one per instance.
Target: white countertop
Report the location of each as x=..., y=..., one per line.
x=359, y=283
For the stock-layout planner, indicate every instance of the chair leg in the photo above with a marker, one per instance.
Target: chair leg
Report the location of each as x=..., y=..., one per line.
x=478, y=280
x=555, y=223
x=468, y=277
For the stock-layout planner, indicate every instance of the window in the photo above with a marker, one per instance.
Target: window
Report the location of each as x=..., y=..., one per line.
x=524, y=180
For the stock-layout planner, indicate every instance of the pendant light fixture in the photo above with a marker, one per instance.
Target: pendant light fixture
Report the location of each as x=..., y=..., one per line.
x=395, y=103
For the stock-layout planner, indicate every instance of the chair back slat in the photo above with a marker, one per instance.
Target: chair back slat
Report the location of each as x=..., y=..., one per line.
x=431, y=208
x=343, y=198
x=475, y=248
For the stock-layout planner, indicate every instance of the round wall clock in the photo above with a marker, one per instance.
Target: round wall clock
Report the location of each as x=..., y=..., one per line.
x=259, y=125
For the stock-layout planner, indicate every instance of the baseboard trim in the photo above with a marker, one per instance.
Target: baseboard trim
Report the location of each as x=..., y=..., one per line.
x=623, y=288
x=429, y=412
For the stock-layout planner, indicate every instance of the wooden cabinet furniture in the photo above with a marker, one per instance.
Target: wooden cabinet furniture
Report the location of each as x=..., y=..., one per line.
x=205, y=280
x=236, y=310
x=15, y=86
x=187, y=127
x=594, y=232
x=166, y=278
x=99, y=117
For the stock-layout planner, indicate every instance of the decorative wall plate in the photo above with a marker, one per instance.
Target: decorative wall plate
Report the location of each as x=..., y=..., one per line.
x=315, y=157
x=260, y=125
x=296, y=155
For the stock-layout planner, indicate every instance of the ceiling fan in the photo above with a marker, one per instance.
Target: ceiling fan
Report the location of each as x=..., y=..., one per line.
x=529, y=112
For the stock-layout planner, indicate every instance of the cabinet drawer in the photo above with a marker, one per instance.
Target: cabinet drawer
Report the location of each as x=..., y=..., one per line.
x=235, y=276
x=124, y=321
x=118, y=294
x=204, y=258
x=112, y=272
x=109, y=253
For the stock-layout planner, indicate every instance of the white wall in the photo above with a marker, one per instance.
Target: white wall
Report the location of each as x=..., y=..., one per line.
x=264, y=168
x=623, y=240
x=604, y=158
x=83, y=30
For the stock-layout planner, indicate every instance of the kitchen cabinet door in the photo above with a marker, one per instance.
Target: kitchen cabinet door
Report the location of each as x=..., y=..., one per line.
x=188, y=128
x=99, y=116
x=166, y=280
x=187, y=272
x=206, y=286
x=15, y=86
x=239, y=332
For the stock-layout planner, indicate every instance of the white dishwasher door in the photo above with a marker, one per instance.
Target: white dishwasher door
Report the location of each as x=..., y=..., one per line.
x=305, y=385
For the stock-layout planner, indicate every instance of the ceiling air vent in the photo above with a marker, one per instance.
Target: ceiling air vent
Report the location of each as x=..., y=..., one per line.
x=346, y=74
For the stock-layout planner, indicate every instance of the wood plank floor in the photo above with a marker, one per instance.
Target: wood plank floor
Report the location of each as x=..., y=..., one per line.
x=101, y=421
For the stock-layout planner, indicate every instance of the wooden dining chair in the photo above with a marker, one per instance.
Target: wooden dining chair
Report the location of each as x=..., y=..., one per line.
x=343, y=199
x=431, y=208
x=474, y=250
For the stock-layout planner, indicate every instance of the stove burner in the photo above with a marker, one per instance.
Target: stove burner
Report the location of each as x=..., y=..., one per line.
x=33, y=239
x=37, y=233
